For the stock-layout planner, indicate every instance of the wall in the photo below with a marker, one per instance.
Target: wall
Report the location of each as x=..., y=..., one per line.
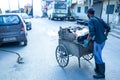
x=98, y=9
x=82, y=14
x=112, y=17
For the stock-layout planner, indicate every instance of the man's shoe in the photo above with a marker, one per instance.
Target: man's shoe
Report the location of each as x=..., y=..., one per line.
x=98, y=76
x=100, y=71
x=96, y=71
x=96, y=68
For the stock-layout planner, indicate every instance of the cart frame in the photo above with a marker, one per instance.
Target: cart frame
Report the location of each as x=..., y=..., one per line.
x=68, y=45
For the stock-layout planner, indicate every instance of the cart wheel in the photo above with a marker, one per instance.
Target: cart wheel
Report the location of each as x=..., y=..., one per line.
x=62, y=55
x=88, y=56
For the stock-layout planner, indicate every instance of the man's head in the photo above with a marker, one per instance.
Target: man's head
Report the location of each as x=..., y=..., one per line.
x=90, y=12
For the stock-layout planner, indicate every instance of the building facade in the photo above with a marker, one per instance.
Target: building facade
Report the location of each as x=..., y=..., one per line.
x=105, y=9
x=79, y=8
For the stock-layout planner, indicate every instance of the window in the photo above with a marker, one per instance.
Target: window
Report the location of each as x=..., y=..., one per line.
x=97, y=1
x=9, y=20
x=110, y=9
x=86, y=8
x=60, y=5
x=79, y=9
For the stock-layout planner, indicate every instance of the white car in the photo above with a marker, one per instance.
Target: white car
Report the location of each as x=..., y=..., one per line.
x=27, y=20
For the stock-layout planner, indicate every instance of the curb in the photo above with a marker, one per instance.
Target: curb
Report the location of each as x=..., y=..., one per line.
x=114, y=35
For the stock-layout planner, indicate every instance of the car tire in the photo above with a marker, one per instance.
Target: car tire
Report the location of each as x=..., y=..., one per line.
x=49, y=18
x=66, y=18
x=30, y=28
x=25, y=43
x=61, y=19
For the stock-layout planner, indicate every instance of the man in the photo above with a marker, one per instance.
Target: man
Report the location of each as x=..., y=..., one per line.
x=98, y=31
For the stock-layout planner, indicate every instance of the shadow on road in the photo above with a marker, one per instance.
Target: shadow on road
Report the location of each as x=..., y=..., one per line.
x=9, y=49
x=11, y=45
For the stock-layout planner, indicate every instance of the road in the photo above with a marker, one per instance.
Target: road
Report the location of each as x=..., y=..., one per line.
x=39, y=57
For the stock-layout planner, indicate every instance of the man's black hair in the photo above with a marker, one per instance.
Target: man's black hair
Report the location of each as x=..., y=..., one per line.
x=91, y=11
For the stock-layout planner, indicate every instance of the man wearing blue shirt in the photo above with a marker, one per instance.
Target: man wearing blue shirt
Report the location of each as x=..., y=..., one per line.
x=98, y=31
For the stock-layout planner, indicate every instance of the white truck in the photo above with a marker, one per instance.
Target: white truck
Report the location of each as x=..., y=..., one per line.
x=57, y=10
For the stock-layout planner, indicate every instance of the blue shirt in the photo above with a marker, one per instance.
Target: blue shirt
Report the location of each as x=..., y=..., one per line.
x=97, y=28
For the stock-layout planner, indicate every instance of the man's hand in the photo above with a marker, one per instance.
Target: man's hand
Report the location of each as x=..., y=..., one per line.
x=89, y=38
x=106, y=33
x=86, y=42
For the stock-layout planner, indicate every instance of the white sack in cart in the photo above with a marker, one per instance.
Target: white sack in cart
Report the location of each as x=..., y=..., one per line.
x=82, y=32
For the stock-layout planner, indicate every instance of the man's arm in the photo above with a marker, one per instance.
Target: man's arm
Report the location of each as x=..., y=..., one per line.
x=106, y=26
x=91, y=29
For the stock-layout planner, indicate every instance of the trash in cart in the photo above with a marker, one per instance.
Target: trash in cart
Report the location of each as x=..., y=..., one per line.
x=73, y=41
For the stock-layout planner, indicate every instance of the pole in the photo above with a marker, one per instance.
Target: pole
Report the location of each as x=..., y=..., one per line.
x=108, y=13
x=9, y=5
x=102, y=9
x=19, y=6
x=89, y=4
x=118, y=12
x=32, y=8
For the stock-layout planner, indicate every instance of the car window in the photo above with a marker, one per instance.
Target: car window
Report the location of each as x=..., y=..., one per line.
x=9, y=19
x=60, y=5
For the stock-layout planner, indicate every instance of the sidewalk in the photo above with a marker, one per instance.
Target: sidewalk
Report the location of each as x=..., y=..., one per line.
x=115, y=31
